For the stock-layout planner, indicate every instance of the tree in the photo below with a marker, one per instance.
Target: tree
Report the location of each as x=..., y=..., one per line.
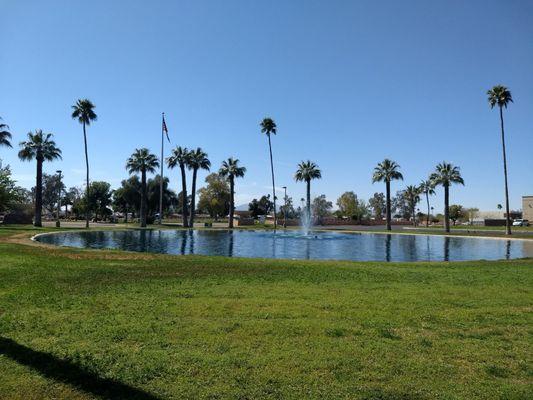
x=321, y=207
x=179, y=203
x=456, y=213
x=287, y=209
x=400, y=207
x=77, y=199
x=307, y=171
x=5, y=135
x=127, y=197
x=153, y=189
x=99, y=199
x=83, y=111
x=10, y=193
x=387, y=171
x=40, y=147
x=52, y=186
x=501, y=96
x=428, y=188
x=377, y=203
x=230, y=170
x=352, y=207
x=144, y=162
x=472, y=213
x=197, y=160
x=269, y=127
x=260, y=207
x=215, y=197
x=412, y=197
x=180, y=157
x=446, y=175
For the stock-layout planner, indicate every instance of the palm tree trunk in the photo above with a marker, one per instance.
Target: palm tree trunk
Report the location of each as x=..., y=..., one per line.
x=143, y=199
x=508, y=216
x=193, y=198
x=309, y=201
x=427, y=201
x=126, y=214
x=231, y=201
x=446, y=208
x=273, y=185
x=184, y=196
x=39, y=193
x=87, y=180
x=388, y=206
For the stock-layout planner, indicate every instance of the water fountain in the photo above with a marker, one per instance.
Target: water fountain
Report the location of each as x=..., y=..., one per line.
x=306, y=222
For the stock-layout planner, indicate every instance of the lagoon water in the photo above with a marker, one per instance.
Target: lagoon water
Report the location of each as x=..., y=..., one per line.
x=295, y=245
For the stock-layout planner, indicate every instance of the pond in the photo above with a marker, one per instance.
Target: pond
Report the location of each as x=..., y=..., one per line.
x=295, y=245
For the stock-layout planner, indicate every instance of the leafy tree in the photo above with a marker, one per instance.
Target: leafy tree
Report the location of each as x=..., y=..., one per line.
x=411, y=195
x=387, y=171
x=457, y=213
x=77, y=200
x=260, y=207
x=180, y=157
x=5, y=135
x=446, y=174
x=127, y=197
x=269, y=127
x=472, y=213
x=230, y=170
x=40, y=147
x=215, y=196
x=100, y=199
x=169, y=196
x=377, y=204
x=83, y=111
x=287, y=209
x=144, y=162
x=321, y=207
x=501, y=96
x=352, y=207
x=427, y=187
x=52, y=187
x=10, y=193
x=400, y=206
x=307, y=171
x=197, y=160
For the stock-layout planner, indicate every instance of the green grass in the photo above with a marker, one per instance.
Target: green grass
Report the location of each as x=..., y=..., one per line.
x=78, y=324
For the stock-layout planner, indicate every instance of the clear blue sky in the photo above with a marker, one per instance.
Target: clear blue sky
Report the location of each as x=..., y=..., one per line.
x=348, y=83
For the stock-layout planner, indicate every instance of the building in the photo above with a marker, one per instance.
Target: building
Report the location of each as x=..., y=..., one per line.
x=527, y=207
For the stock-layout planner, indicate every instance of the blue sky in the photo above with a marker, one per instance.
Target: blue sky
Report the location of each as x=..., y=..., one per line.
x=348, y=83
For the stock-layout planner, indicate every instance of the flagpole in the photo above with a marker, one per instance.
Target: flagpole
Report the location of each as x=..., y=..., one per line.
x=161, y=180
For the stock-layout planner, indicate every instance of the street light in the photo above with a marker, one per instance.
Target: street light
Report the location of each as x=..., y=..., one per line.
x=58, y=223
x=285, y=208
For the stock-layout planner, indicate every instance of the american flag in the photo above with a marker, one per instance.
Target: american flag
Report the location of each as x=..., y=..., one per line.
x=165, y=128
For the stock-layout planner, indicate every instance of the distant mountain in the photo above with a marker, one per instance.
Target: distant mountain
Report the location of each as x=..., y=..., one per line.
x=242, y=207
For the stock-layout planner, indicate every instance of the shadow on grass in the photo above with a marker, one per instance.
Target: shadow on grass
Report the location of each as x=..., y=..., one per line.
x=70, y=373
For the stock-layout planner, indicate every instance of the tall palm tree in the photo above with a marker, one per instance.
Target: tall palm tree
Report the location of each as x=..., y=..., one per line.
x=5, y=135
x=387, y=171
x=142, y=161
x=268, y=126
x=446, y=174
x=412, y=196
x=180, y=157
x=41, y=147
x=197, y=160
x=427, y=187
x=230, y=169
x=500, y=96
x=83, y=111
x=307, y=171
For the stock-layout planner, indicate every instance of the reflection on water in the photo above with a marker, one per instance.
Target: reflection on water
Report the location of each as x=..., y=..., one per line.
x=291, y=244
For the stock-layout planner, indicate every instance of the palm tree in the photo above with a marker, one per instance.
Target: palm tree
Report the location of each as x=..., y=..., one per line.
x=5, y=135
x=142, y=161
x=307, y=170
x=412, y=196
x=268, y=126
x=230, y=169
x=446, y=174
x=180, y=156
x=83, y=111
x=501, y=96
x=387, y=171
x=427, y=187
x=197, y=160
x=41, y=147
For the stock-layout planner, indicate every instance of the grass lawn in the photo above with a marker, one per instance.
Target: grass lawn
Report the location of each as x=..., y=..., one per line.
x=78, y=324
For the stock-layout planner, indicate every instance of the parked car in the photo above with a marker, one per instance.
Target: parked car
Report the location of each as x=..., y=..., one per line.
x=520, y=222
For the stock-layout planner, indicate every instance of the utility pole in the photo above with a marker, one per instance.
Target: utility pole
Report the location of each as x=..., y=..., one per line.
x=58, y=222
x=285, y=208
